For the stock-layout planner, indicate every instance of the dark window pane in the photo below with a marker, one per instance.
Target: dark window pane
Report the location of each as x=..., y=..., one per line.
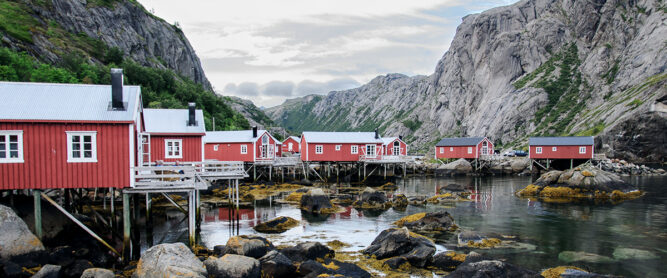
x=87, y=154
x=87, y=146
x=3, y=154
x=14, y=154
x=2, y=146
x=13, y=138
x=87, y=138
x=2, y=139
x=76, y=146
x=13, y=146
x=76, y=139
x=76, y=154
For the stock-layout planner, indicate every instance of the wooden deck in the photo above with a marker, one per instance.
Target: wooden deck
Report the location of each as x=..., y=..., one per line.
x=384, y=159
x=184, y=177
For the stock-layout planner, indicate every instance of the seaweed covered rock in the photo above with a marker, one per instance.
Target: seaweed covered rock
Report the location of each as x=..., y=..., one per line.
x=48, y=271
x=275, y=264
x=452, y=187
x=169, y=260
x=308, y=251
x=316, y=201
x=428, y=222
x=277, y=225
x=248, y=245
x=15, y=237
x=400, y=242
x=569, y=271
x=400, y=201
x=476, y=265
x=474, y=240
x=330, y=268
x=372, y=199
x=448, y=260
x=584, y=182
x=233, y=266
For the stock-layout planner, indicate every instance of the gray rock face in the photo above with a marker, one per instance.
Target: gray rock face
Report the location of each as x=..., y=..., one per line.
x=418, y=250
x=491, y=268
x=315, y=201
x=275, y=264
x=48, y=271
x=97, y=273
x=248, y=245
x=458, y=167
x=472, y=91
x=169, y=260
x=15, y=237
x=233, y=266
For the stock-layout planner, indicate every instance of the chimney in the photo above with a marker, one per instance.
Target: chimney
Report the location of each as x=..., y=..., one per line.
x=191, y=114
x=377, y=136
x=400, y=137
x=254, y=132
x=117, y=89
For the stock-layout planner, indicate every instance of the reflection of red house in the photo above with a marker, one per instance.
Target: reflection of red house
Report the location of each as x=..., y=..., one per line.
x=223, y=214
x=394, y=146
x=471, y=147
x=244, y=145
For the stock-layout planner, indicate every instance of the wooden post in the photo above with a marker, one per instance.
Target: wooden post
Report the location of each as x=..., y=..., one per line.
x=198, y=209
x=571, y=163
x=37, y=194
x=254, y=172
x=191, y=218
x=113, y=207
x=127, y=248
x=270, y=171
x=136, y=233
x=149, y=220
x=547, y=164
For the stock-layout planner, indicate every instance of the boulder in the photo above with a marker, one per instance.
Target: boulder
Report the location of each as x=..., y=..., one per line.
x=15, y=237
x=520, y=164
x=277, y=225
x=75, y=269
x=48, y=271
x=396, y=262
x=490, y=268
x=428, y=222
x=248, y=245
x=452, y=187
x=458, y=167
x=569, y=272
x=308, y=251
x=169, y=260
x=275, y=264
x=98, y=273
x=233, y=266
x=316, y=201
x=447, y=260
x=394, y=242
x=331, y=268
x=10, y=270
x=372, y=199
x=400, y=201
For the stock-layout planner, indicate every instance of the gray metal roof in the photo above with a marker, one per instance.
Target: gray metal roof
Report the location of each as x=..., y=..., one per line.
x=65, y=102
x=237, y=136
x=463, y=141
x=387, y=140
x=561, y=141
x=296, y=138
x=172, y=121
x=340, y=137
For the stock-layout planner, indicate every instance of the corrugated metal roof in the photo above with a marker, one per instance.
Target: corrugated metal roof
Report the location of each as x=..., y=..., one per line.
x=340, y=137
x=387, y=140
x=172, y=121
x=296, y=138
x=64, y=102
x=561, y=141
x=237, y=136
x=463, y=141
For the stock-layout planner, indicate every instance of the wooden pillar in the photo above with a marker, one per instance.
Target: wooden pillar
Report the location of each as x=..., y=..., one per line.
x=571, y=163
x=385, y=171
x=38, y=212
x=113, y=207
x=136, y=234
x=149, y=220
x=127, y=248
x=191, y=218
x=254, y=172
x=547, y=164
x=282, y=174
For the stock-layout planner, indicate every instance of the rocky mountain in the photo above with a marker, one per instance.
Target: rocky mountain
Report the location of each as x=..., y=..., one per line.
x=534, y=68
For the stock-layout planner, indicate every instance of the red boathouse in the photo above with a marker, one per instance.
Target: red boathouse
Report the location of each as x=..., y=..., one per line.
x=68, y=135
x=292, y=145
x=394, y=146
x=243, y=145
x=579, y=147
x=468, y=147
x=176, y=135
x=340, y=146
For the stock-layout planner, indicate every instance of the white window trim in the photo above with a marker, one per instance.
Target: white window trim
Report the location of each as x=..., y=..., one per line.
x=244, y=149
x=538, y=149
x=442, y=150
x=215, y=147
x=354, y=149
x=553, y=149
x=582, y=148
x=338, y=147
x=18, y=133
x=451, y=149
x=277, y=148
x=180, y=148
x=469, y=150
x=93, y=140
x=321, y=149
x=289, y=146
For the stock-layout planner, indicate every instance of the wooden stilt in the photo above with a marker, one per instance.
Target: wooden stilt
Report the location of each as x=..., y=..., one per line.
x=270, y=171
x=571, y=163
x=547, y=163
x=136, y=233
x=191, y=218
x=113, y=207
x=38, y=212
x=149, y=220
x=127, y=248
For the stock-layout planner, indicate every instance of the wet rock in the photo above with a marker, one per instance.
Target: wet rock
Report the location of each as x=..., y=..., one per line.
x=219, y=250
x=490, y=268
x=574, y=256
x=276, y=225
x=474, y=240
x=98, y=273
x=275, y=264
x=621, y=253
x=452, y=187
x=331, y=268
x=169, y=259
x=343, y=199
x=311, y=268
x=448, y=260
x=518, y=165
x=10, y=269
x=400, y=201
x=372, y=199
x=233, y=266
x=48, y=271
x=417, y=249
x=75, y=269
x=15, y=237
x=396, y=262
x=308, y=251
x=417, y=200
x=458, y=167
x=248, y=245
x=428, y=222
x=316, y=201
x=570, y=272
x=390, y=186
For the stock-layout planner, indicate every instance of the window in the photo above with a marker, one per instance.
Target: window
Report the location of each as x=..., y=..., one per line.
x=355, y=149
x=244, y=149
x=338, y=147
x=318, y=149
x=469, y=149
x=582, y=149
x=538, y=150
x=81, y=146
x=215, y=147
x=553, y=149
x=173, y=148
x=442, y=150
x=289, y=147
x=11, y=146
x=277, y=148
x=451, y=149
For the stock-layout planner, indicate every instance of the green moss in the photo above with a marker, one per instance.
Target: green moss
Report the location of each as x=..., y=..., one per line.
x=17, y=21
x=610, y=75
x=412, y=124
x=635, y=103
x=595, y=130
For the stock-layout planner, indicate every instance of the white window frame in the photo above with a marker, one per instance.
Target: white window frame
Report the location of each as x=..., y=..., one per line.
x=6, y=134
x=319, y=149
x=582, y=150
x=289, y=146
x=338, y=147
x=553, y=149
x=277, y=148
x=538, y=149
x=354, y=149
x=93, y=141
x=451, y=149
x=442, y=150
x=244, y=149
x=180, y=148
x=215, y=147
x=469, y=150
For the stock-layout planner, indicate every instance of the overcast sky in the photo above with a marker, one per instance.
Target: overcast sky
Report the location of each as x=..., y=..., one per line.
x=268, y=50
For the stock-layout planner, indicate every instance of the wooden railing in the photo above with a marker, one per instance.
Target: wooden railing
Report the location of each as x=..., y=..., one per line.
x=287, y=161
x=164, y=177
x=383, y=158
x=211, y=169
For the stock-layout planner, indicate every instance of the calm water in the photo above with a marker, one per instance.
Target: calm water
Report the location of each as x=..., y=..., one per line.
x=544, y=230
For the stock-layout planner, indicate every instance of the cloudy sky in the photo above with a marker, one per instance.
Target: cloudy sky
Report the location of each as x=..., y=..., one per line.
x=268, y=51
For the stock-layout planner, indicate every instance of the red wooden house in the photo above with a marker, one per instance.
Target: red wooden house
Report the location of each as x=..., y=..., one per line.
x=243, y=145
x=176, y=135
x=292, y=145
x=394, y=146
x=340, y=146
x=468, y=147
x=68, y=135
x=580, y=147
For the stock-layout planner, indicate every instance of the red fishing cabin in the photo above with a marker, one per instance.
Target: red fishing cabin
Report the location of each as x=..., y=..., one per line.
x=575, y=147
x=466, y=147
x=394, y=146
x=175, y=135
x=292, y=145
x=340, y=146
x=242, y=145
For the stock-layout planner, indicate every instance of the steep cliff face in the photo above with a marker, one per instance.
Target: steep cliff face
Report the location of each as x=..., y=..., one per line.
x=538, y=67
x=56, y=27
